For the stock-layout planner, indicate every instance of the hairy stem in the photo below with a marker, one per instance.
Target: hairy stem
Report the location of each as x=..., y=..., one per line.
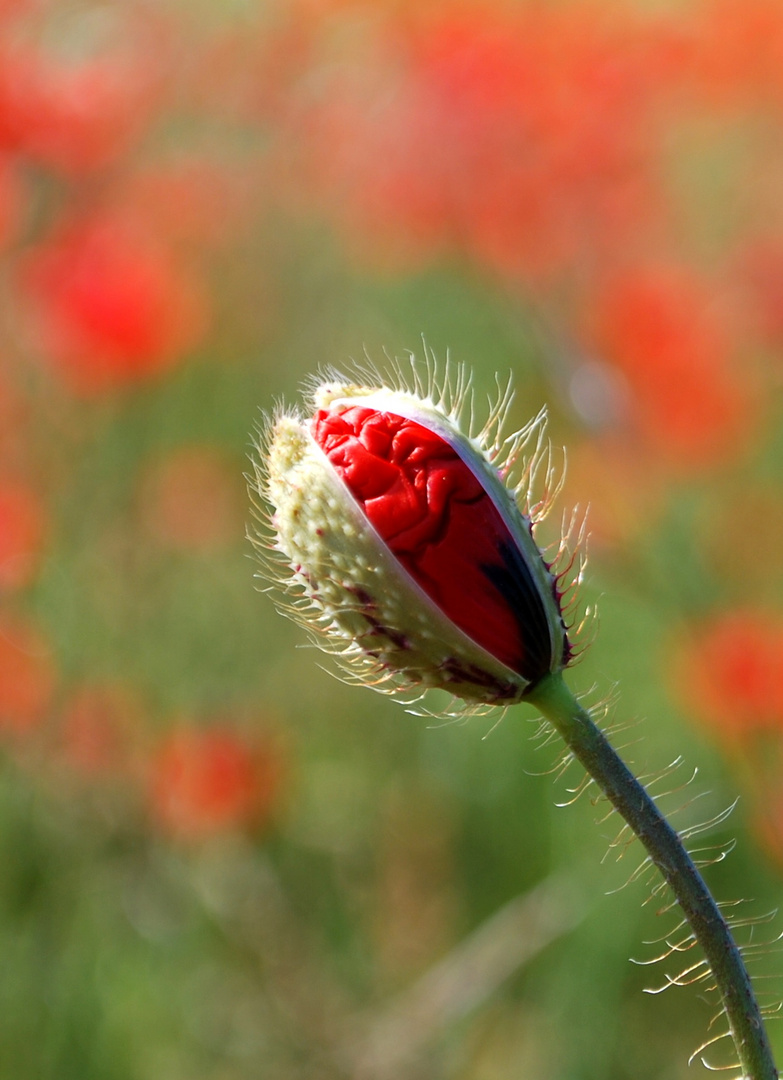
x=666, y=849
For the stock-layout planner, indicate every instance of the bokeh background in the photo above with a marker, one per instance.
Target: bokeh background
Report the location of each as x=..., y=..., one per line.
x=217, y=862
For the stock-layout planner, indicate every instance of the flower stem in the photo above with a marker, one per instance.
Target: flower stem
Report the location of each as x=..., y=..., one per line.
x=664, y=846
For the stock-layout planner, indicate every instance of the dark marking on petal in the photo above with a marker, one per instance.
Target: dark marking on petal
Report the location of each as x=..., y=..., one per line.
x=513, y=579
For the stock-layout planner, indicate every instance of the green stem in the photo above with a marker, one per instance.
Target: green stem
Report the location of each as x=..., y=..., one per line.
x=666, y=849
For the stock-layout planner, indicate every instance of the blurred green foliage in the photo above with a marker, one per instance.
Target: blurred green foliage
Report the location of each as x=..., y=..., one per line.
x=161, y=917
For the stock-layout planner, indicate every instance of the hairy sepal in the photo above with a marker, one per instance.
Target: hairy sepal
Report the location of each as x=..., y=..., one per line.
x=485, y=467
x=353, y=595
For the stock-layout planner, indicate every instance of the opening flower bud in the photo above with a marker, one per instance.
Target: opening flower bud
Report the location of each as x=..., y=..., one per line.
x=401, y=540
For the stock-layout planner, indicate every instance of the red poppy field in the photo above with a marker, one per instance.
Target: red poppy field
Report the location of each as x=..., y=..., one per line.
x=219, y=862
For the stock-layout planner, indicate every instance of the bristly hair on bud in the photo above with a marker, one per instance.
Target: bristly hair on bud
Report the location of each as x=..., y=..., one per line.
x=401, y=534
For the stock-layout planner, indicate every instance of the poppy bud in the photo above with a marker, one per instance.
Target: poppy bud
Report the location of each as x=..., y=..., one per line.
x=404, y=545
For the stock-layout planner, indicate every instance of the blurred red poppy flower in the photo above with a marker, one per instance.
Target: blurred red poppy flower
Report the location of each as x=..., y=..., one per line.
x=730, y=674
x=664, y=328
x=22, y=529
x=27, y=676
x=75, y=118
x=205, y=781
x=524, y=139
x=109, y=304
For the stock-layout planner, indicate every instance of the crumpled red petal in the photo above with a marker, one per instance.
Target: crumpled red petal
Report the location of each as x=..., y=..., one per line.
x=439, y=521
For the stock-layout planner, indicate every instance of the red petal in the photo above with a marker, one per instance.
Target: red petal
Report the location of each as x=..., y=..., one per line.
x=439, y=521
